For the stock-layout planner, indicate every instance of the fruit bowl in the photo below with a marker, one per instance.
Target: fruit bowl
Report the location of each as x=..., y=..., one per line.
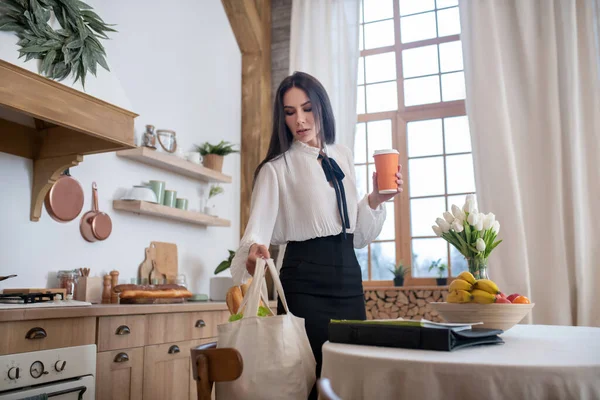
x=493, y=316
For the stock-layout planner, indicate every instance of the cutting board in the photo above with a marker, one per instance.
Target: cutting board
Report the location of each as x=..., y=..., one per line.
x=165, y=258
x=146, y=266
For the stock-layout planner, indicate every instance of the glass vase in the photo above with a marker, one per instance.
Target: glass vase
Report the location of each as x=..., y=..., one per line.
x=478, y=267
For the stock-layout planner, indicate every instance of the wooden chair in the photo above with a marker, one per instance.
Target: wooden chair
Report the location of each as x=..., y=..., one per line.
x=210, y=365
x=325, y=390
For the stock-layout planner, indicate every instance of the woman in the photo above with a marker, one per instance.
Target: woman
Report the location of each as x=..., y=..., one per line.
x=305, y=196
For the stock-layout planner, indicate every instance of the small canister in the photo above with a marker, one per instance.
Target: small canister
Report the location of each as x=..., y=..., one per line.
x=67, y=279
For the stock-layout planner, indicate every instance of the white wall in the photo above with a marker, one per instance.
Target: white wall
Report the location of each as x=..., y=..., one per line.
x=178, y=66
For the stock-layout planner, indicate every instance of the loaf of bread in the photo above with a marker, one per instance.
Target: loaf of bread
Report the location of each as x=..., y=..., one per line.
x=152, y=291
x=234, y=299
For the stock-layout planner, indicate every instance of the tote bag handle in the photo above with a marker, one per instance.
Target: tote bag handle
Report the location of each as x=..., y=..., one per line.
x=258, y=288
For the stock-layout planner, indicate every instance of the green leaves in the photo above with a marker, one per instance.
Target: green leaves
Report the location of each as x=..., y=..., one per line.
x=74, y=49
x=225, y=264
x=222, y=149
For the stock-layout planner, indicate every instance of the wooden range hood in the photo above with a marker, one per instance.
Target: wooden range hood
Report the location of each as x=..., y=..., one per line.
x=55, y=126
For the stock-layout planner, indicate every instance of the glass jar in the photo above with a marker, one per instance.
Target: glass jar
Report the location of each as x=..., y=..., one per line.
x=478, y=267
x=167, y=140
x=180, y=280
x=67, y=279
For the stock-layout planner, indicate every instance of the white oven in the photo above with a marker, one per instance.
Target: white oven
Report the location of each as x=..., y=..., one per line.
x=60, y=374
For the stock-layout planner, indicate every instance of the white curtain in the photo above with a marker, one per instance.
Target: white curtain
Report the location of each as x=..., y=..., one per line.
x=533, y=101
x=324, y=43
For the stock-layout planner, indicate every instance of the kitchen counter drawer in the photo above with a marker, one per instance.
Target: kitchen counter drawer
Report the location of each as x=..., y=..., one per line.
x=119, y=374
x=176, y=327
x=43, y=334
x=121, y=332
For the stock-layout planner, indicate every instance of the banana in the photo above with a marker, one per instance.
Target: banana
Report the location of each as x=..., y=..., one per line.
x=487, y=285
x=483, y=297
x=459, y=284
x=459, y=296
x=467, y=276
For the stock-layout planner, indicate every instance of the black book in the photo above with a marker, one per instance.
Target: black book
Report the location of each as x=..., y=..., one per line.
x=410, y=335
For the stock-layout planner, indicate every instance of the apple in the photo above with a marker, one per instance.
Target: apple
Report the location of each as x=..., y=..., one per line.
x=502, y=295
x=513, y=296
x=502, y=300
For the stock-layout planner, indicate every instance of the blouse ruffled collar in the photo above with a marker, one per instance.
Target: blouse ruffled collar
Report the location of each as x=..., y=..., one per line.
x=301, y=146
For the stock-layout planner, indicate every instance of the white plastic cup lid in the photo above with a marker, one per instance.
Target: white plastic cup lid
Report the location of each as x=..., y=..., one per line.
x=385, y=151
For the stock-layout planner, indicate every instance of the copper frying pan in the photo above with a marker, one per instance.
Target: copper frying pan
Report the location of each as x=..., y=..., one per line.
x=95, y=225
x=64, y=200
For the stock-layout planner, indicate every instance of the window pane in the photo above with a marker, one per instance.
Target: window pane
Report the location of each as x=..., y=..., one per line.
x=376, y=10
x=421, y=91
x=362, y=256
x=388, y=232
x=459, y=170
x=453, y=86
x=415, y=6
x=360, y=100
x=425, y=138
x=361, y=180
x=380, y=136
x=426, y=176
x=456, y=135
x=382, y=97
x=420, y=61
x=381, y=67
x=446, y=3
x=383, y=258
x=451, y=58
x=426, y=251
x=370, y=177
x=417, y=27
x=360, y=144
x=379, y=34
x=423, y=213
x=361, y=38
x=361, y=71
x=459, y=201
x=457, y=261
x=448, y=22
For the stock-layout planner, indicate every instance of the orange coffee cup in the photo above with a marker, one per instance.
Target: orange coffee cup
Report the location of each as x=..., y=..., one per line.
x=386, y=165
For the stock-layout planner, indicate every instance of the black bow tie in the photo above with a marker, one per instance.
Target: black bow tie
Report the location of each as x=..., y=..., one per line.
x=334, y=175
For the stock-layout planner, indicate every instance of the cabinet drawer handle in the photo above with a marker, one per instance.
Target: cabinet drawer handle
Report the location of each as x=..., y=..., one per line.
x=174, y=349
x=36, y=333
x=121, y=357
x=200, y=323
x=123, y=330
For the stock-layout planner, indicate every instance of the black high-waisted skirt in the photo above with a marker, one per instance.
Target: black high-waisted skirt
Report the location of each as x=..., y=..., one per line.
x=322, y=280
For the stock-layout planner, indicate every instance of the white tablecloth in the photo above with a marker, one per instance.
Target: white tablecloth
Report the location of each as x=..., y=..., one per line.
x=536, y=362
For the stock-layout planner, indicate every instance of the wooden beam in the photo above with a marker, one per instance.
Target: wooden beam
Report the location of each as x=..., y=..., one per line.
x=60, y=141
x=251, y=24
x=246, y=24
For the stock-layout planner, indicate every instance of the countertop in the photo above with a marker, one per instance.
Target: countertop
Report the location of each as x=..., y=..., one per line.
x=103, y=310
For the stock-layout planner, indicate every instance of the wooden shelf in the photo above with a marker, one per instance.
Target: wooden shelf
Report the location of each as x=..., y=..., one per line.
x=55, y=126
x=157, y=210
x=175, y=164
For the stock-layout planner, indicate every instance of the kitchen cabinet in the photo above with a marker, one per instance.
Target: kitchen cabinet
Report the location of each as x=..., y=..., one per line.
x=143, y=351
x=119, y=374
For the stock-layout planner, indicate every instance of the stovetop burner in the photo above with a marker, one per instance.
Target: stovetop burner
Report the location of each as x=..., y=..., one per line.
x=26, y=298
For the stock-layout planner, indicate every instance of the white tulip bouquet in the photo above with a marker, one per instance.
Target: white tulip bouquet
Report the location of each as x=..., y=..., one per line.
x=472, y=233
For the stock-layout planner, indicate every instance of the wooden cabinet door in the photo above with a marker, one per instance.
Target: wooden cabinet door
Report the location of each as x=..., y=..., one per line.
x=168, y=371
x=119, y=374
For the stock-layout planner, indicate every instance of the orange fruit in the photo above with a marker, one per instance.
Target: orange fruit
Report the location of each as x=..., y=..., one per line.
x=521, y=300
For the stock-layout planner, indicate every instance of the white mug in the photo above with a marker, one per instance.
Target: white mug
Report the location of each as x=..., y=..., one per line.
x=194, y=157
x=180, y=153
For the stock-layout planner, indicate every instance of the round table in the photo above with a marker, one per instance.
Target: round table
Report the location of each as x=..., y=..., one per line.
x=535, y=362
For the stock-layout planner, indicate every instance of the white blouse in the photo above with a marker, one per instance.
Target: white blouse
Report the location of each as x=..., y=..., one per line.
x=292, y=201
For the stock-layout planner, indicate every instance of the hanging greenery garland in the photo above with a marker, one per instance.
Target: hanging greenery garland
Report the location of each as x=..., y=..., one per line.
x=74, y=49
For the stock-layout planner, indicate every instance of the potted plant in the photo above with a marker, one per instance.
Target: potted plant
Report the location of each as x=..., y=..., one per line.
x=215, y=190
x=212, y=154
x=399, y=272
x=219, y=285
x=441, y=269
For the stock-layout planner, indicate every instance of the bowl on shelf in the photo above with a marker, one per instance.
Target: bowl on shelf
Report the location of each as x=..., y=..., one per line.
x=142, y=193
x=493, y=316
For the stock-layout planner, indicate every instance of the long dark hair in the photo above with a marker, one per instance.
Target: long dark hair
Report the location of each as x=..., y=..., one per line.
x=281, y=136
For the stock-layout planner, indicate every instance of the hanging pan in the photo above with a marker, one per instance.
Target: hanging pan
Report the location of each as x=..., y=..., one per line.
x=95, y=225
x=64, y=200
